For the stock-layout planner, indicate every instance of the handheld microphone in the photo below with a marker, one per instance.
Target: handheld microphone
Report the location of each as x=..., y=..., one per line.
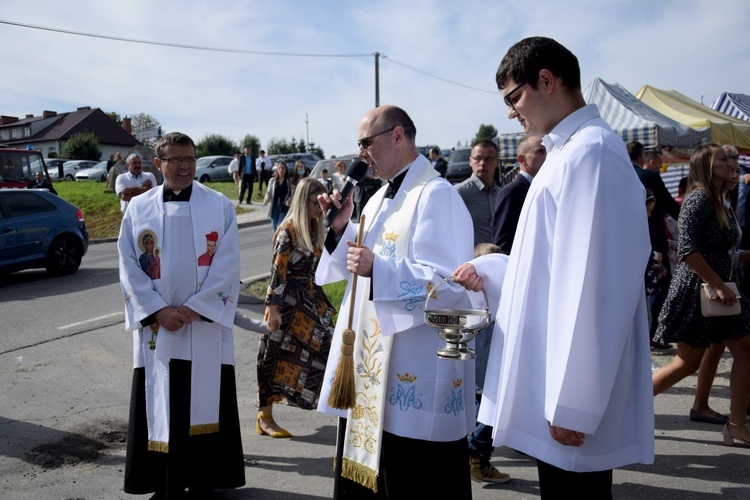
x=354, y=174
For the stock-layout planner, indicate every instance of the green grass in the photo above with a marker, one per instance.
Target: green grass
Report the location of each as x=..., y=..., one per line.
x=334, y=292
x=101, y=207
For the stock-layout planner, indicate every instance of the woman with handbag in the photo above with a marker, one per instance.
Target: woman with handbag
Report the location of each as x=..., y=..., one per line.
x=701, y=411
x=278, y=194
x=708, y=232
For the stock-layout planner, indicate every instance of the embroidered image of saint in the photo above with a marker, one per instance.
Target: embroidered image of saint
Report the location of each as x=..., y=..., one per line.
x=149, y=260
x=206, y=258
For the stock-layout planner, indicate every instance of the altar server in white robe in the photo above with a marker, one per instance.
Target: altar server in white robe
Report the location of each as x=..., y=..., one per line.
x=569, y=380
x=408, y=429
x=180, y=305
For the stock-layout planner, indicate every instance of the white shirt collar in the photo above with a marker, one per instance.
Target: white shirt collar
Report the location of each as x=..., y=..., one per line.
x=559, y=135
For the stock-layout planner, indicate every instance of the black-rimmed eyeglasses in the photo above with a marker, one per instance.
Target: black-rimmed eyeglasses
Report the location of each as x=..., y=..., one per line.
x=507, y=97
x=485, y=159
x=366, y=142
x=179, y=160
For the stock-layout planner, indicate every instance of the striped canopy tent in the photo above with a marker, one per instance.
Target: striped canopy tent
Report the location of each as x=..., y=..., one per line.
x=735, y=105
x=507, y=146
x=633, y=120
x=724, y=128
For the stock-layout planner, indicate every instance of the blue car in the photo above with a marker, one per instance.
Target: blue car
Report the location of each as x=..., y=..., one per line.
x=40, y=230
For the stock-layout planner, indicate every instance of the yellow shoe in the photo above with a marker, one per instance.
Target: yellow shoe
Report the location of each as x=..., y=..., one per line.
x=282, y=433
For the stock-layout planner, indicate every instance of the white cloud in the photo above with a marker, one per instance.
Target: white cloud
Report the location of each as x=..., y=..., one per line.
x=692, y=46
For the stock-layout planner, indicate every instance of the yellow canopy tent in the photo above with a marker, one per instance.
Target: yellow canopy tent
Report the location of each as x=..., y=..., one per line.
x=724, y=128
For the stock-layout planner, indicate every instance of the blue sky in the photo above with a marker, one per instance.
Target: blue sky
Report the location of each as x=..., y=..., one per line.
x=698, y=48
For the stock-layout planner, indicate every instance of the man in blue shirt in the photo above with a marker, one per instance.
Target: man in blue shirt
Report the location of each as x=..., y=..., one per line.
x=247, y=171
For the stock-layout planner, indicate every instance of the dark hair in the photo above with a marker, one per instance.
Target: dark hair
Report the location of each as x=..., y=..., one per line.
x=393, y=116
x=652, y=154
x=485, y=143
x=635, y=150
x=527, y=58
x=435, y=150
x=173, y=139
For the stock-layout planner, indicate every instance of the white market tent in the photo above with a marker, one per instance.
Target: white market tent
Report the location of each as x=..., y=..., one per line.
x=736, y=105
x=634, y=120
x=631, y=118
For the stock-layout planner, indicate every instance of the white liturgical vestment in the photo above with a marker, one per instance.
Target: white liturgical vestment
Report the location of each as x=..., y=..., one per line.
x=571, y=341
x=426, y=398
x=165, y=260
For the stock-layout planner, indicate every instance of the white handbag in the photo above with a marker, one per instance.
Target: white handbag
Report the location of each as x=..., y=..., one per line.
x=712, y=306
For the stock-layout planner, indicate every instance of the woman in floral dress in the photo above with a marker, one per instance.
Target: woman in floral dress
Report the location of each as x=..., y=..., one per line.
x=292, y=355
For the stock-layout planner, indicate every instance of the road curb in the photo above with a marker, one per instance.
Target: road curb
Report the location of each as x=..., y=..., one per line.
x=240, y=225
x=246, y=298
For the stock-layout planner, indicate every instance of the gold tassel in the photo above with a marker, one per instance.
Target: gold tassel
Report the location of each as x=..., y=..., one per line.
x=159, y=446
x=197, y=430
x=343, y=393
x=360, y=474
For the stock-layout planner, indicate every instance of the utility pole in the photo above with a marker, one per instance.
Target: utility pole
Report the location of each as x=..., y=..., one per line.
x=307, y=132
x=377, y=79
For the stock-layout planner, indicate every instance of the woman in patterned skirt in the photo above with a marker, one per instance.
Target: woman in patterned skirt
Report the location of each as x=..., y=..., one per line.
x=708, y=233
x=292, y=355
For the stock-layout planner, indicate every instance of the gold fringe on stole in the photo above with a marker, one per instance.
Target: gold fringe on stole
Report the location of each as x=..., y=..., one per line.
x=159, y=446
x=358, y=473
x=196, y=430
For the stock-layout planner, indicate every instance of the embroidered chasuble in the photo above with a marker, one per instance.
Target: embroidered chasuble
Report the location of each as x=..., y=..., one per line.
x=418, y=237
x=160, y=248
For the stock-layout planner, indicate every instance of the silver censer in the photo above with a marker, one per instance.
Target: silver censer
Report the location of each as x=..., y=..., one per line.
x=457, y=327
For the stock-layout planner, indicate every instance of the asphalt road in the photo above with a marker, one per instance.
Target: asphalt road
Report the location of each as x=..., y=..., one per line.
x=39, y=308
x=64, y=408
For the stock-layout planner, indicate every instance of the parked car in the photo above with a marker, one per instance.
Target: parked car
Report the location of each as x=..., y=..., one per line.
x=97, y=173
x=330, y=164
x=458, y=165
x=51, y=163
x=213, y=168
x=18, y=167
x=70, y=169
x=309, y=159
x=39, y=229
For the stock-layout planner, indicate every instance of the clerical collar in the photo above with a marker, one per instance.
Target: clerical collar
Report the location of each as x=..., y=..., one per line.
x=395, y=183
x=182, y=195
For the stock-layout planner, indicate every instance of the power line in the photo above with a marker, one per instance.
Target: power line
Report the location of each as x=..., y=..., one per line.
x=177, y=45
x=386, y=58
x=234, y=51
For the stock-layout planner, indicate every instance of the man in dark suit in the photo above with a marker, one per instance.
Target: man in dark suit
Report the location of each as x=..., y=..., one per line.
x=647, y=165
x=531, y=156
x=438, y=162
x=41, y=183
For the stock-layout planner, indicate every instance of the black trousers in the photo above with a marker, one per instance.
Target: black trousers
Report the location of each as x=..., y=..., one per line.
x=409, y=469
x=247, y=185
x=198, y=462
x=263, y=178
x=556, y=483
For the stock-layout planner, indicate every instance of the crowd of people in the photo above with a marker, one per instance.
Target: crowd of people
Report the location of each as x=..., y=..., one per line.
x=573, y=258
